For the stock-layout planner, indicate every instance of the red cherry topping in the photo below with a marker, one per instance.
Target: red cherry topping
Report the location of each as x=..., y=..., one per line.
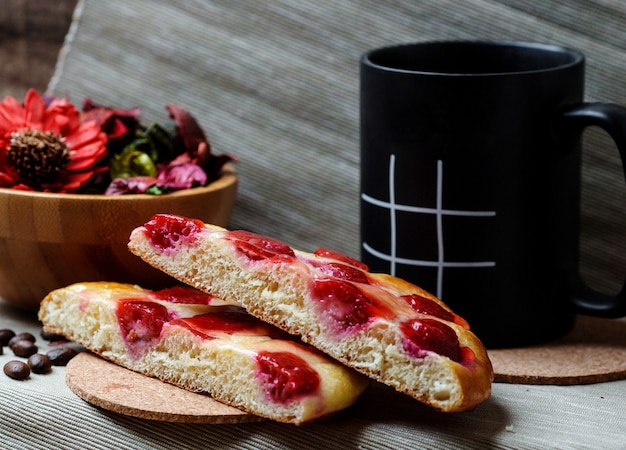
x=257, y=247
x=425, y=305
x=166, y=230
x=468, y=354
x=430, y=335
x=344, y=305
x=141, y=323
x=286, y=376
x=183, y=294
x=341, y=271
x=229, y=320
x=332, y=254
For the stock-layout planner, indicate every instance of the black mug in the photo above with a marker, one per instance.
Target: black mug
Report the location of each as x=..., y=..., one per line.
x=470, y=181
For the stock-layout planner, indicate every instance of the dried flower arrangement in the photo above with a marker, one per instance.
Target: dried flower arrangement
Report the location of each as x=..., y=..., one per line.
x=48, y=145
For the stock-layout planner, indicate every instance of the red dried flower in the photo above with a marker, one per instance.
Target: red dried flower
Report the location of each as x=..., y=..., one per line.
x=48, y=147
x=46, y=144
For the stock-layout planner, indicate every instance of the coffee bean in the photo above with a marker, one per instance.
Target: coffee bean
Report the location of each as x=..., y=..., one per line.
x=24, y=348
x=61, y=356
x=21, y=337
x=39, y=363
x=17, y=370
x=5, y=336
x=52, y=337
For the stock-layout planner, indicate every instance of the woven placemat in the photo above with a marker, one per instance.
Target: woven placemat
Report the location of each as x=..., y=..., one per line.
x=593, y=352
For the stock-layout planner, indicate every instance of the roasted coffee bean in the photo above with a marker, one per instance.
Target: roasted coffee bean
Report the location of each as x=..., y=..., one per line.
x=24, y=348
x=61, y=356
x=17, y=370
x=21, y=337
x=52, y=337
x=39, y=363
x=5, y=336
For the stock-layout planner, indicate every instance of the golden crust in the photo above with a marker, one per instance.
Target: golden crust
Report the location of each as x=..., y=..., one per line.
x=476, y=385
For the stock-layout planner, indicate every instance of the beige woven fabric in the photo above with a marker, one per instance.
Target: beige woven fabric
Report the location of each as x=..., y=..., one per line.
x=276, y=83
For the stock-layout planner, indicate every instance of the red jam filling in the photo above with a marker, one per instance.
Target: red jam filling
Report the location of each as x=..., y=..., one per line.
x=256, y=247
x=165, y=231
x=425, y=305
x=339, y=270
x=229, y=320
x=183, y=294
x=286, y=376
x=141, y=323
x=430, y=335
x=344, y=305
x=332, y=254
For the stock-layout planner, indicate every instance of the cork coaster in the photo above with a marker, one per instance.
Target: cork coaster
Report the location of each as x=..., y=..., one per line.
x=123, y=391
x=593, y=352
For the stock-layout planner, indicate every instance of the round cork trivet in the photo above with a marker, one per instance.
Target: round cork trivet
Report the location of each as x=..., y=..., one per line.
x=593, y=352
x=123, y=391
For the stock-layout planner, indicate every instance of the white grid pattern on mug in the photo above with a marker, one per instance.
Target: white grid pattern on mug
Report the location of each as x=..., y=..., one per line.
x=441, y=263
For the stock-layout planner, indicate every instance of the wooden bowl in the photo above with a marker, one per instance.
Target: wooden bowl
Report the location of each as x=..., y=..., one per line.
x=49, y=241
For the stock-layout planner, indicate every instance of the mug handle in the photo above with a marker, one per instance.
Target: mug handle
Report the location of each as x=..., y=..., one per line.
x=571, y=121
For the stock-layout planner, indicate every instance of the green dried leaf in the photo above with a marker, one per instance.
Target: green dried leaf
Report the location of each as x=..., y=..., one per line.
x=162, y=142
x=132, y=163
x=156, y=190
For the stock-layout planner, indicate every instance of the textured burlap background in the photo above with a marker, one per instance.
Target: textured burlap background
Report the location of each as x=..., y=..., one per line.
x=276, y=82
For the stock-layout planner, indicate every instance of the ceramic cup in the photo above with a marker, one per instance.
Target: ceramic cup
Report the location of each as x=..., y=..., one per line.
x=470, y=180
